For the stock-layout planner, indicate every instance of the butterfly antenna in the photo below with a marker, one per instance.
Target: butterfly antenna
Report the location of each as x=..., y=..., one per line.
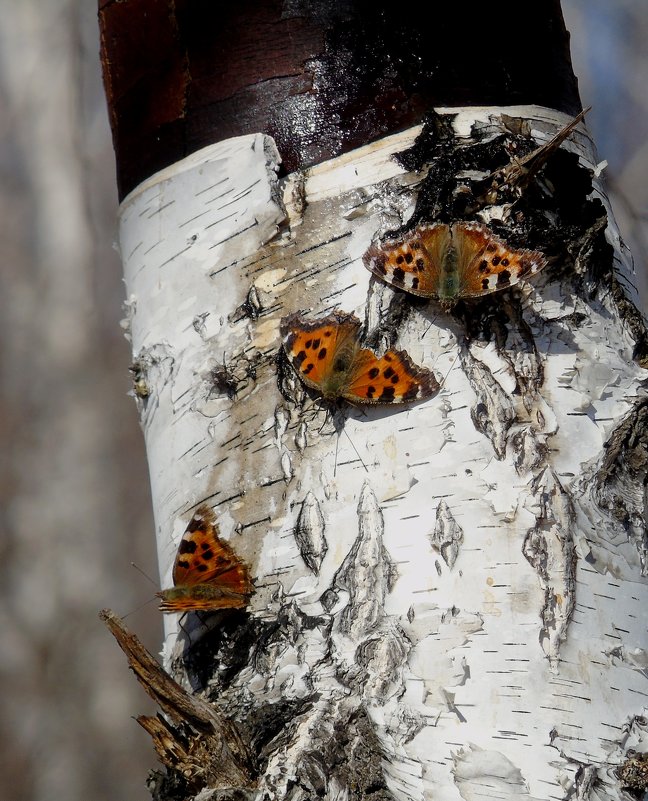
x=137, y=608
x=146, y=575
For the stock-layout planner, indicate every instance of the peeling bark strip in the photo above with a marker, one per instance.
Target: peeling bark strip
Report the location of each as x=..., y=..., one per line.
x=530, y=639
x=493, y=412
x=549, y=547
x=309, y=533
x=621, y=484
x=447, y=535
x=478, y=772
x=367, y=573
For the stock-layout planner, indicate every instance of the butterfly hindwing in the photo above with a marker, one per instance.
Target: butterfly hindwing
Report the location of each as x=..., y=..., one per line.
x=412, y=263
x=392, y=378
x=486, y=263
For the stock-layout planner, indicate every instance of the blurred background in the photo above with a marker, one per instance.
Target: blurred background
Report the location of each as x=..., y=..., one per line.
x=75, y=508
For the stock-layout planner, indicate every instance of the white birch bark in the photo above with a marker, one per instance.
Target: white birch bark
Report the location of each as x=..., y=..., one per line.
x=448, y=603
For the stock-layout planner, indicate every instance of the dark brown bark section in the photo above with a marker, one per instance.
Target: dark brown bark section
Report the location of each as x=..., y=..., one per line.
x=321, y=76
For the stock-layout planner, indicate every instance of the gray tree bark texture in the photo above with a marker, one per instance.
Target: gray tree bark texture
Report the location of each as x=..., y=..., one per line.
x=449, y=597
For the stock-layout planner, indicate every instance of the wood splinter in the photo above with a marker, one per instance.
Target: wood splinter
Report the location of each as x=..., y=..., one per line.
x=200, y=743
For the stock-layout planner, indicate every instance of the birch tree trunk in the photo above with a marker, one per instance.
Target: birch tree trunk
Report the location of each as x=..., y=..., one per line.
x=449, y=597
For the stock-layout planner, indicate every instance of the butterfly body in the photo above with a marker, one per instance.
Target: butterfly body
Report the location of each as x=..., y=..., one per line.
x=451, y=262
x=328, y=357
x=200, y=597
x=207, y=574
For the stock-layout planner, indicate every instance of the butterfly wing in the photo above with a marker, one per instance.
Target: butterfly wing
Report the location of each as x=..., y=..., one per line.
x=392, y=378
x=321, y=351
x=413, y=263
x=207, y=573
x=486, y=263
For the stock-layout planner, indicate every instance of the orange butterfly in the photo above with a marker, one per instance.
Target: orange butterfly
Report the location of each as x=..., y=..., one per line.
x=328, y=357
x=207, y=574
x=450, y=262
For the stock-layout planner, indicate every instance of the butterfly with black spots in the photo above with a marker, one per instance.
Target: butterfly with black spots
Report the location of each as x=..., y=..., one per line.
x=451, y=262
x=207, y=574
x=329, y=357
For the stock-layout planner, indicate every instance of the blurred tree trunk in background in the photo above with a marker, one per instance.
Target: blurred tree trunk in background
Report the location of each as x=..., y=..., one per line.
x=75, y=498
x=440, y=621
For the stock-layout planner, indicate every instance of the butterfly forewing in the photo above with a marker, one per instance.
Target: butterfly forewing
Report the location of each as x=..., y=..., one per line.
x=313, y=347
x=392, y=378
x=412, y=263
x=486, y=263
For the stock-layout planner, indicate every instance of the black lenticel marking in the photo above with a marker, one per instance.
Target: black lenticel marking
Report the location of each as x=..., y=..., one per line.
x=373, y=373
x=415, y=283
x=205, y=546
x=388, y=371
x=327, y=333
x=504, y=262
x=388, y=357
x=316, y=343
x=371, y=391
x=309, y=342
x=208, y=556
x=388, y=393
x=483, y=266
x=398, y=276
x=420, y=263
x=299, y=358
x=485, y=283
x=504, y=278
x=184, y=564
x=187, y=546
x=202, y=568
x=399, y=259
x=308, y=368
x=409, y=258
x=395, y=378
x=495, y=261
x=322, y=353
